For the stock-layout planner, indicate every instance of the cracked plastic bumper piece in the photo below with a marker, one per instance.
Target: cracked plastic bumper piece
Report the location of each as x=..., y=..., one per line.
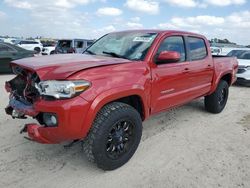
x=34, y=134
x=71, y=115
x=18, y=109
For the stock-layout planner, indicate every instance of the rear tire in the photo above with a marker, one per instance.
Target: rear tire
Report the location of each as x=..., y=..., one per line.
x=37, y=50
x=216, y=102
x=114, y=136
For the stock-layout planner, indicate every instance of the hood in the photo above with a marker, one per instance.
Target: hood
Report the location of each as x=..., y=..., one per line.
x=58, y=67
x=244, y=62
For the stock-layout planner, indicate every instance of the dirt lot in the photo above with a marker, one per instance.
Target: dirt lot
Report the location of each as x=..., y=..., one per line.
x=185, y=147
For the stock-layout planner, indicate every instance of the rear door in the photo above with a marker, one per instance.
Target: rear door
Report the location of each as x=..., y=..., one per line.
x=200, y=67
x=170, y=79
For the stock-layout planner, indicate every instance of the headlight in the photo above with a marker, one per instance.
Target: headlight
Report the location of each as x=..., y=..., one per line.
x=62, y=89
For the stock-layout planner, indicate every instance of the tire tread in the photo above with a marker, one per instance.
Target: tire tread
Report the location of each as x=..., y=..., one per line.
x=95, y=132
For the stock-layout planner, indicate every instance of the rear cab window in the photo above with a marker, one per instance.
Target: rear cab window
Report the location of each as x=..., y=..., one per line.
x=197, y=48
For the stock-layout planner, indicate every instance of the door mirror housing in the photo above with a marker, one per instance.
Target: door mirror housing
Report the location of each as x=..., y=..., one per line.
x=168, y=57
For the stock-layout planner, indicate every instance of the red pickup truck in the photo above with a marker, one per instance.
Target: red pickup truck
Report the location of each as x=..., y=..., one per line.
x=103, y=95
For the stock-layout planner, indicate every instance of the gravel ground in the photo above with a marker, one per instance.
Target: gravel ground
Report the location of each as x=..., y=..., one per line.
x=184, y=147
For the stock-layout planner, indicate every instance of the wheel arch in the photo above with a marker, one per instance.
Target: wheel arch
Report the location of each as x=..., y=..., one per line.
x=227, y=76
x=37, y=49
x=134, y=96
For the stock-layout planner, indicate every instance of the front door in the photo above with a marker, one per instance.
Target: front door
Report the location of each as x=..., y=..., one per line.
x=170, y=82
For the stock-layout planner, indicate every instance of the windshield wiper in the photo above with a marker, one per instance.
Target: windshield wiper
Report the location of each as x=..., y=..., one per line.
x=114, y=54
x=90, y=52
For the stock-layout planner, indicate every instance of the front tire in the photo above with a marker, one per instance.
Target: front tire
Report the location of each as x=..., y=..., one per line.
x=114, y=136
x=216, y=102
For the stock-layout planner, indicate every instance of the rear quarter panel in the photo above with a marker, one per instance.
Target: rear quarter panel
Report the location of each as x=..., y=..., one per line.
x=222, y=67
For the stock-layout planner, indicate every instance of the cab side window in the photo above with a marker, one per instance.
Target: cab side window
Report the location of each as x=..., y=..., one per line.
x=175, y=43
x=197, y=48
x=79, y=44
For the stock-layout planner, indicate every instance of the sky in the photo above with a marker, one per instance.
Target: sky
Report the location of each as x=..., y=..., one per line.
x=93, y=18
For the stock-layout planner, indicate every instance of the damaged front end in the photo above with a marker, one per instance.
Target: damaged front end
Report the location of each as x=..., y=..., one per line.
x=55, y=105
x=23, y=93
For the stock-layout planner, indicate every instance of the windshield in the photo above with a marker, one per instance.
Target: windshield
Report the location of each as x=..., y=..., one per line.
x=240, y=54
x=132, y=46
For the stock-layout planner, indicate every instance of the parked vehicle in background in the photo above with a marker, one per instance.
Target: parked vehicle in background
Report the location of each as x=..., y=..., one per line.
x=66, y=46
x=33, y=45
x=226, y=50
x=48, y=50
x=8, y=53
x=243, y=74
x=216, y=50
x=49, y=47
x=103, y=95
x=10, y=40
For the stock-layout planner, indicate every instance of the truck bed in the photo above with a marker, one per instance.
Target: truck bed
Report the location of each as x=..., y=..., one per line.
x=222, y=63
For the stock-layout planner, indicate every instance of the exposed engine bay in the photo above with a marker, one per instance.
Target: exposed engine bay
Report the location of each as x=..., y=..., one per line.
x=23, y=93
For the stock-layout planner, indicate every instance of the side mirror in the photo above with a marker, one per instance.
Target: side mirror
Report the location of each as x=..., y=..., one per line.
x=168, y=57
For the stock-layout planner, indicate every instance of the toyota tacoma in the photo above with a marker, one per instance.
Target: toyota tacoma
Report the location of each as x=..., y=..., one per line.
x=102, y=96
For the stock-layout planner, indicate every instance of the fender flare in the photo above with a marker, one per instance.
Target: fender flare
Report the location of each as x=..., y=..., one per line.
x=219, y=77
x=109, y=96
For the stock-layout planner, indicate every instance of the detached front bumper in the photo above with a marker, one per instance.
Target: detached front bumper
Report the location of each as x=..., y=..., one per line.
x=70, y=113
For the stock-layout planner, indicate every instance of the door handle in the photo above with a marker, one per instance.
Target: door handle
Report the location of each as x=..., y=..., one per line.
x=209, y=65
x=186, y=70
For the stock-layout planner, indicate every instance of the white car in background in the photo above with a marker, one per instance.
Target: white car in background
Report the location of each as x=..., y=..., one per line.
x=48, y=50
x=215, y=50
x=33, y=45
x=243, y=56
x=226, y=50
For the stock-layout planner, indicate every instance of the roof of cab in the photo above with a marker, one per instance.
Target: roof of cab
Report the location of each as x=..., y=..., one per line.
x=160, y=32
